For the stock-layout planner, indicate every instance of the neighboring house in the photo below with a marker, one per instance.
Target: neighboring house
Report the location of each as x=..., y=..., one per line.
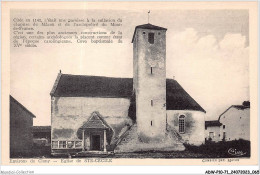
x=212, y=130
x=21, y=122
x=42, y=135
x=146, y=112
x=235, y=122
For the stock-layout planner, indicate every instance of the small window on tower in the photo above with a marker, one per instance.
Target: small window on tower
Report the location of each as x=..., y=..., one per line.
x=151, y=123
x=151, y=70
x=151, y=102
x=151, y=38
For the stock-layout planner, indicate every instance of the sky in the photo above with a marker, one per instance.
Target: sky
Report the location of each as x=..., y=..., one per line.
x=207, y=52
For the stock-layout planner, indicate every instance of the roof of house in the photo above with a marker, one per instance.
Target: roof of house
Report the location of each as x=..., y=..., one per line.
x=147, y=26
x=12, y=99
x=95, y=86
x=212, y=123
x=238, y=107
x=41, y=128
x=96, y=121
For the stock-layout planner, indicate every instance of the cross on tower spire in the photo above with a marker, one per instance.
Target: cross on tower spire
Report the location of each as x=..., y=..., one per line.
x=148, y=16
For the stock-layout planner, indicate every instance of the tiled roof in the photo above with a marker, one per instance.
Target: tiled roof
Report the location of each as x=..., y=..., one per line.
x=41, y=128
x=213, y=123
x=239, y=107
x=96, y=122
x=150, y=26
x=13, y=100
x=94, y=86
x=178, y=99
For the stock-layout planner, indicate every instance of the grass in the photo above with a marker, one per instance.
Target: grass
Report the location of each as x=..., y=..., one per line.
x=227, y=149
x=36, y=152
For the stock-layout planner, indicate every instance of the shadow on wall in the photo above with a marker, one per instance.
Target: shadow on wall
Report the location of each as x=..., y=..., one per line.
x=62, y=133
x=145, y=139
x=132, y=108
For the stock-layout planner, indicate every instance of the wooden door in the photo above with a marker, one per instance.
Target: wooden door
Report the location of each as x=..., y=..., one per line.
x=95, y=139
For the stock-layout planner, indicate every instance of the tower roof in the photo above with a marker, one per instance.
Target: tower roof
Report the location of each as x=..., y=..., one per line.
x=147, y=26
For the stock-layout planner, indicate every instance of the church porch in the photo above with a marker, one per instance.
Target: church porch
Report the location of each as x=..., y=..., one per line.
x=94, y=140
x=96, y=135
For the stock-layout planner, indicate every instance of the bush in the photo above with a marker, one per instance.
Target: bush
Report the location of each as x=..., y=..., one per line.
x=235, y=148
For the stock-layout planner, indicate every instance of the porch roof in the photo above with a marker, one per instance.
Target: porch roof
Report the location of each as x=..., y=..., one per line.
x=96, y=122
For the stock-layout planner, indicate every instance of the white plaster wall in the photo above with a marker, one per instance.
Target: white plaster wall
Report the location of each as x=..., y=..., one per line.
x=194, y=125
x=216, y=129
x=237, y=124
x=69, y=113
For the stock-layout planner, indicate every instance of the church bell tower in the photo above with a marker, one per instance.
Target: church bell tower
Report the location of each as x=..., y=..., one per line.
x=149, y=76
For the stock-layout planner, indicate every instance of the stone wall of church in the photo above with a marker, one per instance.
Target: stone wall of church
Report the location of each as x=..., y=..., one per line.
x=69, y=113
x=194, y=125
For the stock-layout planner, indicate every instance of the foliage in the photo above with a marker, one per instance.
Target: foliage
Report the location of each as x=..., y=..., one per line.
x=222, y=149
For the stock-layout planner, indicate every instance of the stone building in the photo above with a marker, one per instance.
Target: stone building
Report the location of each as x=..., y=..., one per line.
x=235, y=122
x=21, y=122
x=212, y=130
x=232, y=124
x=42, y=135
x=146, y=112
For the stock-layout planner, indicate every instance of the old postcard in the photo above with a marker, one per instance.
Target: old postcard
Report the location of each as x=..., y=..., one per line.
x=160, y=83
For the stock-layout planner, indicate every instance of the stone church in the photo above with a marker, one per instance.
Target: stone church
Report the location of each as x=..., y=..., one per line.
x=148, y=112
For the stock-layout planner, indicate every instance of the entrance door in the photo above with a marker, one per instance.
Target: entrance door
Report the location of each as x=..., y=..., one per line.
x=211, y=135
x=95, y=142
x=224, y=136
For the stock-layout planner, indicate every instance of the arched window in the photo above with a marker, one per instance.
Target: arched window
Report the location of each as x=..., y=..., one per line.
x=182, y=124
